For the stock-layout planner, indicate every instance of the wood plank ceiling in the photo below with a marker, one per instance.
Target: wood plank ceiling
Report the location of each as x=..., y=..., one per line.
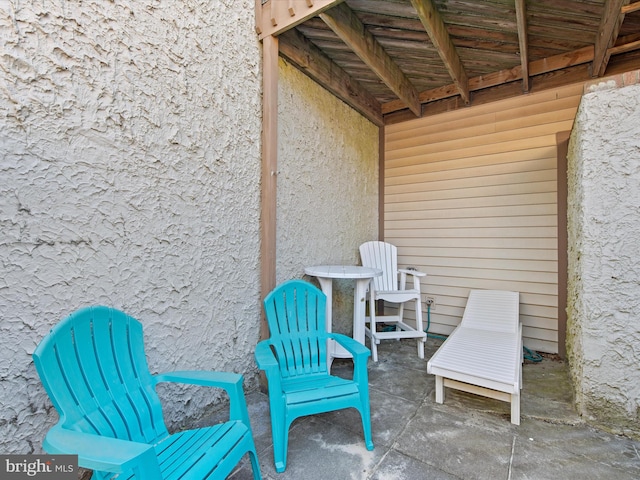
x=393, y=60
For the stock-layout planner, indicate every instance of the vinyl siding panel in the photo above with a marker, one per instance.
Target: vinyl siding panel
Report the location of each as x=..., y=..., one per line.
x=470, y=197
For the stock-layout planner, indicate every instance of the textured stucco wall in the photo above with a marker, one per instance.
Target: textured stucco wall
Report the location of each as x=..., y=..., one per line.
x=603, y=331
x=327, y=185
x=129, y=176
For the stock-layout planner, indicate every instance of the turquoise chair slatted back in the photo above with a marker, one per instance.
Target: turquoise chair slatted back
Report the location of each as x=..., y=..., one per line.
x=296, y=312
x=78, y=363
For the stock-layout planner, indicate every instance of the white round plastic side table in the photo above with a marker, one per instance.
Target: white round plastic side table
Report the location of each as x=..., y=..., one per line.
x=362, y=275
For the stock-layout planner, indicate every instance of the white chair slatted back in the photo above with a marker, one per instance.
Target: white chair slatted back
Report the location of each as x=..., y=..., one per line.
x=384, y=256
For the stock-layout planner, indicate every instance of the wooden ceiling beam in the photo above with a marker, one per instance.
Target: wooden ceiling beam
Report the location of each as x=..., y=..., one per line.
x=634, y=7
x=350, y=29
x=310, y=60
x=521, y=18
x=625, y=44
x=437, y=31
x=554, y=79
x=610, y=22
x=537, y=67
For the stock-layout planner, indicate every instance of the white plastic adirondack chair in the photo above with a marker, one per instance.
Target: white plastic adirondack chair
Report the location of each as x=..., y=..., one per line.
x=385, y=256
x=483, y=355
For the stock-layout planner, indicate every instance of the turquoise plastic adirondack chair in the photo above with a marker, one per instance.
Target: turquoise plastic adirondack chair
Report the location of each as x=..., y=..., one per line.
x=294, y=359
x=93, y=366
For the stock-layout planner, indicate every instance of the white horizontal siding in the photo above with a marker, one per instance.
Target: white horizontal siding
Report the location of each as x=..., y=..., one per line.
x=470, y=197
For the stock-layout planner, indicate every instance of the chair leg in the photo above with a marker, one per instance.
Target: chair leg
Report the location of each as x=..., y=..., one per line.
x=255, y=465
x=366, y=428
x=280, y=435
x=250, y=448
x=439, y=389
x=374, y=350
x=421, y=348
x=372, y=329
x=420, y=328
x=515, y=408
x=280, y=450
x=365, y=414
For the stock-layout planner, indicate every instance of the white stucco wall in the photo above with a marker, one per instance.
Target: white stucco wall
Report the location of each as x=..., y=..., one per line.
x=327, y=199
x=603, y=331
x=129, y=176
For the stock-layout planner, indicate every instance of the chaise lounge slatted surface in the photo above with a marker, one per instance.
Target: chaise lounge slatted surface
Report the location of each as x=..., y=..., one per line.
x=483, y=355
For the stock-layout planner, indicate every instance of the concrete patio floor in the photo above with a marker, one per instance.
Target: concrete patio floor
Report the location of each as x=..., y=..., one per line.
x=468, y=437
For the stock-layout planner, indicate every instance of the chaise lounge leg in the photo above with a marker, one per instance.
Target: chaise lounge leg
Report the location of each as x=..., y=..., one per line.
x=439, y=389
x=515, y=409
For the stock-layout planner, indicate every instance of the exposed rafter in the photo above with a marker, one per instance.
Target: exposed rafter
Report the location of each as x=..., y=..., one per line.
x=625, y=44
x=310, y=60
x=350, y=29
x=634, y=7
x=607, y=34
x=437, y=31
x=393, y=60
x=537, y=67
x=521, y=18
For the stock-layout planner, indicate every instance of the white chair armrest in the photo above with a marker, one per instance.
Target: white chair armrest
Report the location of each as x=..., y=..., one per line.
x=415, y=273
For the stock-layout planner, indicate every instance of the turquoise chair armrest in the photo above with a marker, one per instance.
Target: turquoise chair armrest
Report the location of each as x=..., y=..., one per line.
x=230, y=382
x=352, y=346
x=103, y=453
x=265, y=358
x=268, y=362
x=360, y=355
x=226, y=380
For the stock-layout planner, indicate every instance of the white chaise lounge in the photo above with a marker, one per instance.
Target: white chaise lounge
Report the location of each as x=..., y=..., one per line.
x=483, y=355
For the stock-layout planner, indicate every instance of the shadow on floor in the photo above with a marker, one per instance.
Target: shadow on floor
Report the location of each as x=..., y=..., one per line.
x=467, y=437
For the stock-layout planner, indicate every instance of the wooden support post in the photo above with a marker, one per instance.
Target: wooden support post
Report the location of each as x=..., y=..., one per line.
x=269, y=171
